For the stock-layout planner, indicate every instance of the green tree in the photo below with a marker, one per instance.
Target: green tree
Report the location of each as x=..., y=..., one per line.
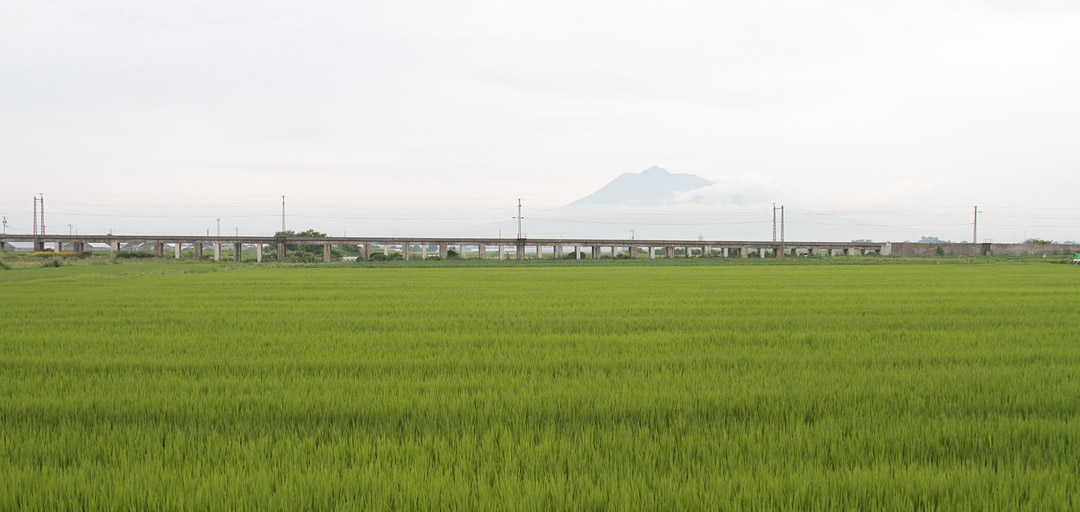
x=308, y=248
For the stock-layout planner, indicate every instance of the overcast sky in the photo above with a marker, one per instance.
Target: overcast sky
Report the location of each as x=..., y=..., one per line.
x=146, y=116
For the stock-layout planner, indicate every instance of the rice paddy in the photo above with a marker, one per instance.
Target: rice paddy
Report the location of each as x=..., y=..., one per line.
x=536, y=388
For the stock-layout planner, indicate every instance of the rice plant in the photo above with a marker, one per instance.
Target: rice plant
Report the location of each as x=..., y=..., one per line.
x=538, y=388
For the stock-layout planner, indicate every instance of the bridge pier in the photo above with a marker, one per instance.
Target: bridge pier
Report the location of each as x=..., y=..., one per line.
x=258, y=253
x=539, y=252
x=502, y=252
x=281, y=252
x=217, y=251
x=196, y=251
x=159, y=249
x=423, y=251
x=481, y=251
x=519, y=250
x=176, y=249
x=367, y=251
x=444, y=251
x=238, y=252
x=326, y=252
x=577, y=252
x=558, y=251
x=596, y=252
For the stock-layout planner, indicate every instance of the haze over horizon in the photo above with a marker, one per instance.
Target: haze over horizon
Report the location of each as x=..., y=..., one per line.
x=866, y=120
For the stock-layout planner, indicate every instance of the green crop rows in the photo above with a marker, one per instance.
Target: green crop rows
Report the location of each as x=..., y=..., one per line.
x=666, y=388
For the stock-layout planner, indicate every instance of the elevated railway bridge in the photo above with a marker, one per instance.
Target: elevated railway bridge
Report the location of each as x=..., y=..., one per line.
x=483, y=248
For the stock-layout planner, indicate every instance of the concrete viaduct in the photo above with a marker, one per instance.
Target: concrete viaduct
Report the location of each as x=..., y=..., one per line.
x=484, y=247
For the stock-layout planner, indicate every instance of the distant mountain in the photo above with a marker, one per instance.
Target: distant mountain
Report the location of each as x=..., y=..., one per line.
x=653, y=185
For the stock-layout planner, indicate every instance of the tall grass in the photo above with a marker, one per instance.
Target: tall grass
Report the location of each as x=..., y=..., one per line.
x=537, y=388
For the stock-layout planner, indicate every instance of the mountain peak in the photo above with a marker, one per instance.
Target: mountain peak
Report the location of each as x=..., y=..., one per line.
x=653, y=185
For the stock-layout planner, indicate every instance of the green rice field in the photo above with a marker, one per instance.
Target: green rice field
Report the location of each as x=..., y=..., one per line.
x=193, y=386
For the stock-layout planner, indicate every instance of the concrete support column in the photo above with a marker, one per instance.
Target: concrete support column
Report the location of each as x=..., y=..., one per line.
x=761, y=252
x=114, y=246
x=481, y=251
x=238, y=252
x=670, y=252
x=577, y=252
x=443, y=251
x=633, y=251
x=386, y=250
x=196, y=250
x=281, y=251
x=423, y=251
x=539, y=252
x=558, y=251
x=724, y=252
x=854, y=251
x=326, y=252
x=405, y=251
x=159, y=249
x=258, y=253
x=176, y=250
x=519, y=250
x=706, y=251
x=367, y=251
x=217, y=251
x=780, y=251
x=461, y=251
x=502, y=252
x=652, y=252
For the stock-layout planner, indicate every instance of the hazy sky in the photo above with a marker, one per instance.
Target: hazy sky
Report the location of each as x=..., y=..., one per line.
x=161, y=116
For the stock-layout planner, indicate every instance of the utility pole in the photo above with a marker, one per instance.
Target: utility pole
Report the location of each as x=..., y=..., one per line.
x=774, y=222
x=282, y=215
x=975, y=226
x=42, y=213
x=70, y=229
x=782, y=248
x=5, y=225
x=519, y=217
x=631, y=234
x=35, y=216
x=781, y=223
x=219, y=226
